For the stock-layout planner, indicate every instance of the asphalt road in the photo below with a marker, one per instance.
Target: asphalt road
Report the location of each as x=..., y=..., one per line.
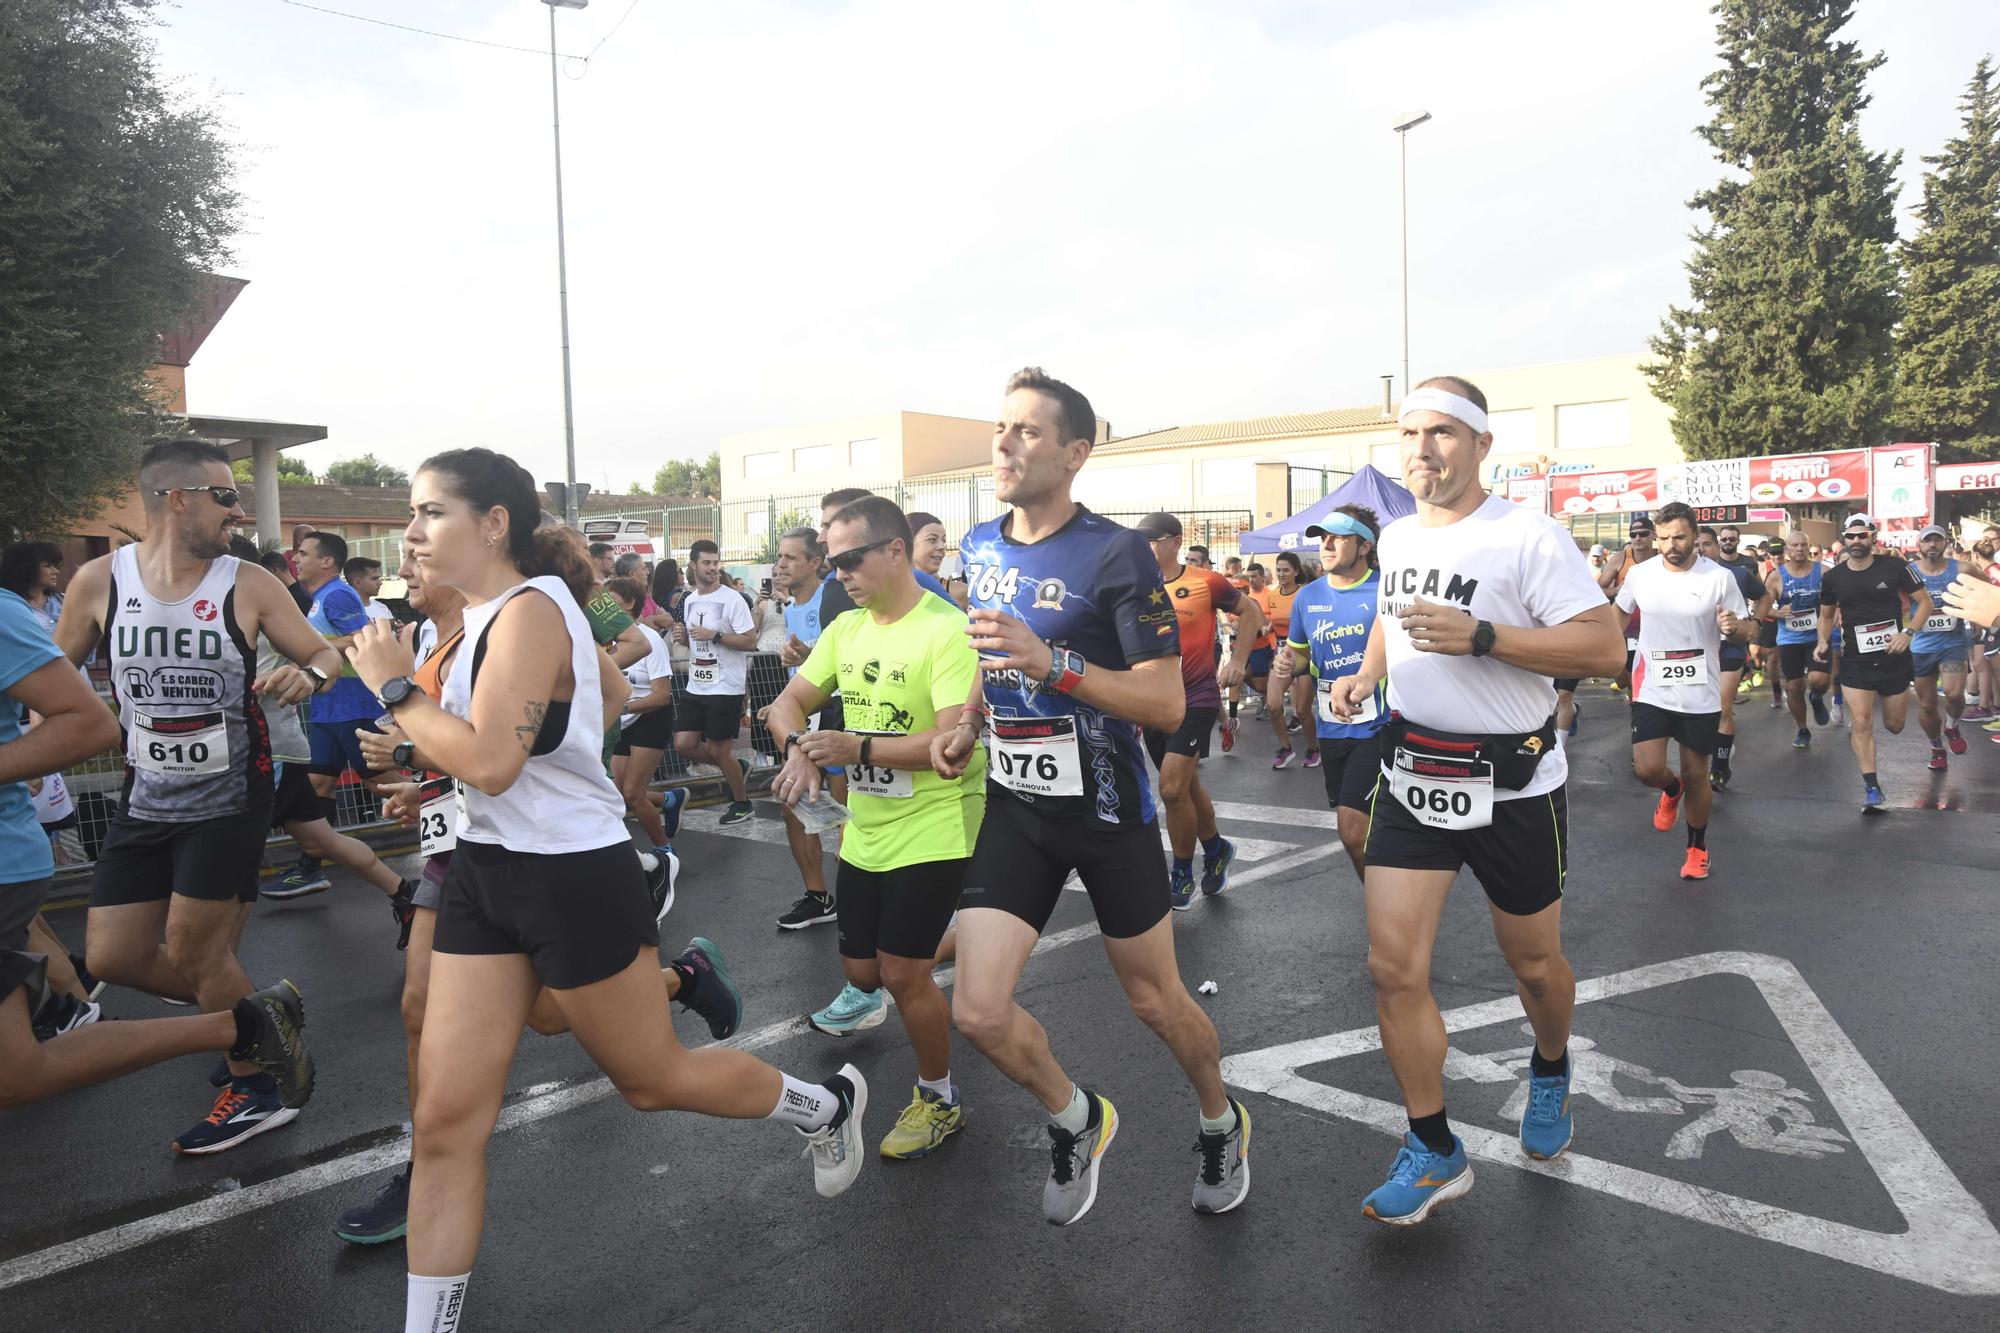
x=1795, y=1123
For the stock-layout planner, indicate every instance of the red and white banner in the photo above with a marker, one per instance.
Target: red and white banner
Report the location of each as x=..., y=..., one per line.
x=1718, y=483
x=1808, y=478
x=1968, y=477
x=1531, y=492
x=1576, y=493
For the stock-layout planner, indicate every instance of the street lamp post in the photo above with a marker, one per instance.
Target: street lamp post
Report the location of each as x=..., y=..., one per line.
x=1404, y=124
x=570, y=505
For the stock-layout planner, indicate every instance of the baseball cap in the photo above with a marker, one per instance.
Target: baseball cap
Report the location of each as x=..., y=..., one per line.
x=1858, y=523
x=1934, y=530
x=1641, y=523
x=1157, y=525
x=1338, y=524
x=1597, y=548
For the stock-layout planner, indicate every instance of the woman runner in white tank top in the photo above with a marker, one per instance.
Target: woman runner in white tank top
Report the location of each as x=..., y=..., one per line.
x=545, y=888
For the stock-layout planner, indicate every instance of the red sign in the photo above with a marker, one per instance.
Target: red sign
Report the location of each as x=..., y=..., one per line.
x=1809, y=478
x=1572, y=494
x=1968, y=477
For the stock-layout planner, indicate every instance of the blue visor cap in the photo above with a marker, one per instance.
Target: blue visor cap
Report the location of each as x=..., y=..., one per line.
x=1340, y=525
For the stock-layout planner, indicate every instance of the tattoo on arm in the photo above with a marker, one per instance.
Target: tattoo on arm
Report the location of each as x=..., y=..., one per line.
x=529, y=730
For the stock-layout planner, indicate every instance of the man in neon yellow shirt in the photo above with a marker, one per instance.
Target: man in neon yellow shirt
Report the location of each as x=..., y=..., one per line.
x=904, y=668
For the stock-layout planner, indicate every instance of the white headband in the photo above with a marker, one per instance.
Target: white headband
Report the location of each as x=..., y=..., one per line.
x=1442, y=400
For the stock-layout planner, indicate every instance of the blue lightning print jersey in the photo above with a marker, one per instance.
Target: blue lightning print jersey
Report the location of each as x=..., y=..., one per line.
x=1094, y=588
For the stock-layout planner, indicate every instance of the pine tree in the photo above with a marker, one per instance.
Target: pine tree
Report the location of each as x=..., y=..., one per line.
x=1948, y=348
x=1785, y=345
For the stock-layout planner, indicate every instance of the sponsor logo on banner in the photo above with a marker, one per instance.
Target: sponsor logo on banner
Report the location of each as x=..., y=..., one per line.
x=1902, y=481
x=1531, y=492
x=1708, y=483
x=1721, y=484
x=1605, y=492
x=1809, y=478
x=1968, y=477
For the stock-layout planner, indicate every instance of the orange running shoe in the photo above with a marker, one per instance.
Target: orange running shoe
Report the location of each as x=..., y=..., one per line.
x=1696, y=865
x=1668, y=810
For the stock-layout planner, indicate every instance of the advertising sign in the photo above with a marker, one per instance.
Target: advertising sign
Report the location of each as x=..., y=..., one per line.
x=1572, y=494
x=1968, y=477
x=1902, y=481
x=1809, y=478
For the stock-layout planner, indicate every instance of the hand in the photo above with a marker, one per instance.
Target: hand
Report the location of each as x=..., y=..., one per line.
x=795, y=651
x=1726, y=621
x=951, y=750
x=1436, y=628
x=1006, y=643
x=1283, y=664
x=400, y=801
x=1231, y=674
x=701, y=634
x=1819, y=653
x=377, y=657
x=377, y=748
x=1348, y=694
x=798, y=780
x=830, y=749
x=286, y=684
x=1975, y=599
x=764, y=715
x=1900, y=643
x=678, y=633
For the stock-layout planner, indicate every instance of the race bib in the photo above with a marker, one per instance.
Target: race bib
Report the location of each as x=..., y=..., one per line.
x=1443, y=791
x=1631, y=643
x=184, y=746
x=439, y=817
x=704, y=673
x=1679, y=666
x=1874, y=638
x=1941, y=624
x=1804, y=622
x=870, y=780
x=1364, y=714
x=1036, y=756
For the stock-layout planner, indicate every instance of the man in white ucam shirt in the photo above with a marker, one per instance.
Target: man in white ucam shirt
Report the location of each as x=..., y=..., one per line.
x=720, y=638
x=1482, y=602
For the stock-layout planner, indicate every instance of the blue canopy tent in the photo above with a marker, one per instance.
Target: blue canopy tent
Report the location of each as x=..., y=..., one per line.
x=1370, y=486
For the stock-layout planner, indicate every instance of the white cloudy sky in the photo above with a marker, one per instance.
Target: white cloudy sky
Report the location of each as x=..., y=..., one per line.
x=782, y=211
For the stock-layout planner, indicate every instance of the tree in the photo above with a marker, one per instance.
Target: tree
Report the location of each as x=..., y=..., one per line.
x=116, y=193
x=636, y=488
x=367, y=470
x=289, y=469
x=686, y=477
x=1785, y=345
x=1948, y=348
x=790, y=519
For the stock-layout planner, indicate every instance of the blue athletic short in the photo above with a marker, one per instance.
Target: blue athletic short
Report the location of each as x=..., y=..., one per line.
x=334, y=747
x=1259, y=664
x=1944, y=659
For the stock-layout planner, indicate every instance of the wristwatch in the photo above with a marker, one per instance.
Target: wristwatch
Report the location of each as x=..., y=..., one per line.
x=394, y=690
x=319, y=678
x=405, y=755
x=1065, y=670
x=1482, y=639
x=793, y=739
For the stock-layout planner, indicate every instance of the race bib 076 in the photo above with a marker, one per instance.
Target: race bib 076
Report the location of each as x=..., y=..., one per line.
x=1036, y=756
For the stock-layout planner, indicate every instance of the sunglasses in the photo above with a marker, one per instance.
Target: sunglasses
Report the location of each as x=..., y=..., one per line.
x=226, y=496
x=850, y=560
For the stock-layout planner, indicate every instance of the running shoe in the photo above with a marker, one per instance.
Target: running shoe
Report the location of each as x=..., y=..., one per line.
x=1284, y=756
x=737, y=813
x=1575, y=719
x=277, y=1017
x=1803, y=740
x=1667, y=811
x=713, y=997
x=852, y=1010
x=1938, y=762
x=1229, y=737
x=673, y=801
x=94, y=986
x=811, y=909
x=1696, y=864
x=1223, y=1179
x=1312, y=758
x=1952, y=737
x=835, y=1149
x=64, y=1013
x=1757, y=679
x=1072, y=1185
x=1820, y=715
x=660, y=881
x=383, y=1218
x=403, y=907
x=1718, y=776
x=1180, y=888
x=1546, y=1126
x=1993, y=725
x=925, y=1123
x=301, y=881
x=1871, y=800
x=1977, y=713
x=1419, y=1180
x=1215, y=869
x=242, y=1111
x=1291, y=723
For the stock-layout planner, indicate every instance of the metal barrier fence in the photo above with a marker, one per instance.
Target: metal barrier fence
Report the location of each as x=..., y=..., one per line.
x=1309, y=485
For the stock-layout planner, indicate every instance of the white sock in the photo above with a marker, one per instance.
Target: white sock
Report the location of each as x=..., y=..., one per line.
x=1221, y=1125
x=941, y=1086
x=647, y=861
x=806, y=1105
x=1076, y=1116
x=435, y=1304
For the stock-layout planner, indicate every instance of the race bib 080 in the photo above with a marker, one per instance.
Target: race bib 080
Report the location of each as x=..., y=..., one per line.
x=1803, y=622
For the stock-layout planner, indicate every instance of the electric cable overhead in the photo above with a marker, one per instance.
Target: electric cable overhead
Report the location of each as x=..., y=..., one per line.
x=583, y=60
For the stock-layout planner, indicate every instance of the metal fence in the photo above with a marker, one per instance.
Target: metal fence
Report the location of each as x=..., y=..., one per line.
x=1309, y=485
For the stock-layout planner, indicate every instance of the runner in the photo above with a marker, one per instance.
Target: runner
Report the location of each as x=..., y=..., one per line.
x=1767, y=625
x=797, y=574
x=720, y=637
x=1718, y=549
x=1792, y=592
x=1875, y=596
x=544, y=888
x=1225, y=646
x=1637, y=551
x=1197, y=595
x=903, y=668
x=1329, y=632
x=1689, y=609
x=1051, y=572
x=364, y=575
x=1483, y=601
x=646, y=731
x=1278, y=606
x=184, y=850
x=1940, y=647
x=1741, y=560
x=1257, y=674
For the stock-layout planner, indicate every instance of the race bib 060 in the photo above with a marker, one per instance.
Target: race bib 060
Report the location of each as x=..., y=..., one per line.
x=1443, y=791
x=197, y=743
x=1036, y=756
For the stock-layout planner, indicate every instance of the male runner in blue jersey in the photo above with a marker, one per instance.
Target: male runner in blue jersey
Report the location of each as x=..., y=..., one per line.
x=1079, y=650
x=1940, y=649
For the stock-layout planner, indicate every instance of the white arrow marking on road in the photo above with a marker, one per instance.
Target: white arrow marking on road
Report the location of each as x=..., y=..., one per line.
x=1951, y=1243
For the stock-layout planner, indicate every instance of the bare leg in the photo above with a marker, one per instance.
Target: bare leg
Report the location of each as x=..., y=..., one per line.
x=123, y=947
x=1861, y=724
x=316, y=838
x=1795, y=699
x=1177, y=778
x=1204, y=810
x=201, y=946
x=31, y=1070
x=1353, y=835
x=1565, y=709
x=993, y=948
x=1927, y=708
x=807, y=854
x=925, y=1014
x=1532, y=946
x=1274, y=700
x=1302, y=709
x=634, y=783
x=1696, y=791
x=1404, y=907
x=723, y=755
x=1147, y=969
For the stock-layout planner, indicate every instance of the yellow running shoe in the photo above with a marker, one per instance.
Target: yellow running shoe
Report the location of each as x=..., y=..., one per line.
x=925, y=1123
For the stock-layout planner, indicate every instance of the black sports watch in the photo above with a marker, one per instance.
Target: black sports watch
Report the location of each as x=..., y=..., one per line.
x=1482, y=639
x=404, y=755
x=319, y=678
x=396, y=689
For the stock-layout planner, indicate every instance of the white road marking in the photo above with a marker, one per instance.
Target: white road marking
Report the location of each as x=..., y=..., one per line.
x=755, y=829
x=222, y=1207
x=1249, y=851
x=1950, y=1243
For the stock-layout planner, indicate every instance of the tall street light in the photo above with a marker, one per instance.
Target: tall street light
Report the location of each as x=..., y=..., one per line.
x=1404, y=124
x=570, y=505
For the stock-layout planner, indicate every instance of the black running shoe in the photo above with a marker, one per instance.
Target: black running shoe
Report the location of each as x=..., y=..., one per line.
x=92, y=987
x=1820, y=716
x=713, y=996
x=404, y=907
x=737, y=813
x=63, y=1013
x=277, y=1014
x=383, y=1218
x=660, y=881
x=809, y=910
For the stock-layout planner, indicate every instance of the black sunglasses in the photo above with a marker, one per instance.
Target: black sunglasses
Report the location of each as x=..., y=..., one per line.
x=850, y=560
x=226, y=496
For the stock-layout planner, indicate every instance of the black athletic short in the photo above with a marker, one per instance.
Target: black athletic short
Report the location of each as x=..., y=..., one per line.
x=1259, y=664
x=1767, y=634
x=579, y=916
x=649, y=731
x=718, y=717
x=1191, y=738
x=19, y=903
x=1023, y=858
x=902, y=912
x=145, y=861
x=1518, y=858
x=1696, y=731
x=1796, y=660
x=295, y=800
x=1734, y=655
x=1352, y=767
x=1568, y=683
x=1887, y=674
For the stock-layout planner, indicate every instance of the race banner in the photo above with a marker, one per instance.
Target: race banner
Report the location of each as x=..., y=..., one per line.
x=1530, y=492
x=1576, y=493
x=1809, y=478
x=1967, y=477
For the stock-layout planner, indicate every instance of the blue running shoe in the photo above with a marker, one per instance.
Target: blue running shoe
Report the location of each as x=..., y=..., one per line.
x=384, y=1218
x=1419, y=1181
x=1820, y=715
x=853, y=1010
x=244, y=1109
x=676, y=799
x=1546, y=1126
x=1871, y=800
x=1575, y=718
x=1215, y=869
x=1180, y=888
x=1802, y=741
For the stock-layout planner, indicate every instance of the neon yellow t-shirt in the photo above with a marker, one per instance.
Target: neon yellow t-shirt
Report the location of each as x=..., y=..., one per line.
x=892, y=681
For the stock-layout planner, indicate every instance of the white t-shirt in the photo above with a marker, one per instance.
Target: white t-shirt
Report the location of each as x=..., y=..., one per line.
x=1679, y=665
x=1503, y=563
x=657, y=662
x=714, y=668
x=376, y=611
